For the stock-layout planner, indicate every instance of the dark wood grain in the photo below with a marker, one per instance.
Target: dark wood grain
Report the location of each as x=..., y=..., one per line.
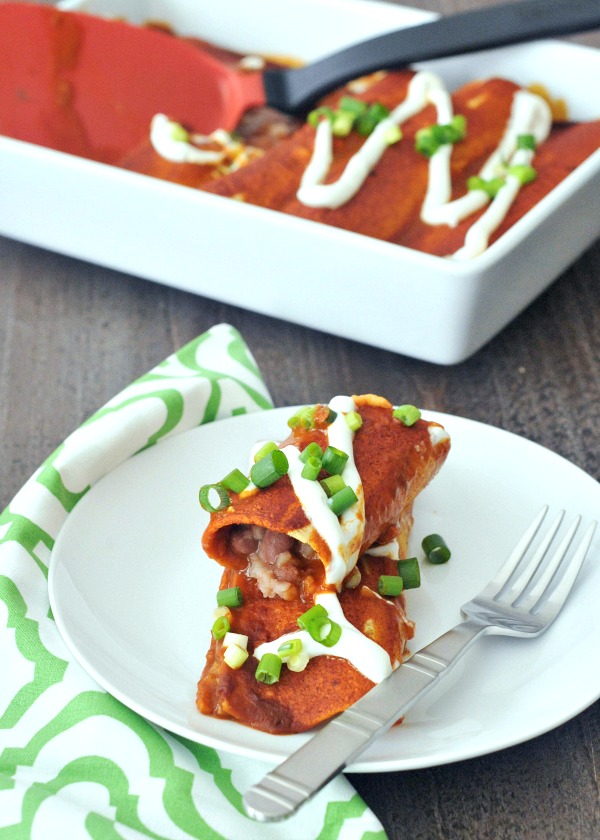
x=72, y=335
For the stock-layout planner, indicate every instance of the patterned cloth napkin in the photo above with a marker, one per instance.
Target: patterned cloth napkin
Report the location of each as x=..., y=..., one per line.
x=74, y=762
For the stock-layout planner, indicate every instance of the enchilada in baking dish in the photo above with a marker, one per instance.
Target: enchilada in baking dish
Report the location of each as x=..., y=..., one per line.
x=311, y=609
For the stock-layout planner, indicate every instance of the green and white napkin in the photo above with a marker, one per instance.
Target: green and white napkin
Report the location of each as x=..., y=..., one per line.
x=74, y=762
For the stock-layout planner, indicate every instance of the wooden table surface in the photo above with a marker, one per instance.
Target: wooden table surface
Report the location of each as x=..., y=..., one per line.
x=74, y=334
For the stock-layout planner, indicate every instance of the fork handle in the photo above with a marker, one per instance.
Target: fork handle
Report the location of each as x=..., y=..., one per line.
x=336, y=745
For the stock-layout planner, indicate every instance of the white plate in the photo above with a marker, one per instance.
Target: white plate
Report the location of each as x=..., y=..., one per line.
x=183, y=237
x=133, y=594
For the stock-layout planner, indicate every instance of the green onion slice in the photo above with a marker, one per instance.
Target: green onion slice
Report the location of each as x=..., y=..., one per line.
x=179, y=134
x=407, y=414
x=331, y=415
x=208, y=490
x=410, y=572
x=491, y=186
x=269, y=469
x=393, y=135
x=342, y=123
x=314, y=118
x=313, y=450
x=526, y=141
x=354, y=420
x=269, y=669
x=298, y=662
x=329, y=633
x=342, y=500
x=269, y=446
x=352, y=105
x=290, y=648
x=429, y=139
x=390, y=585
x=305, y=417
x=314, y=621
x=318, y=613
x=332, y=484
x=235, y=481
x=334, y=460
x=239, y=639
x=523, y=173
x=319, y=626
x=231, y=597
x=235, y=656
x=220, y=627
x=435, y=549
x=311, y=469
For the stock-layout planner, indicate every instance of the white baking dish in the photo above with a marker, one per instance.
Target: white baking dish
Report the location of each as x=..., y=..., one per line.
x=370, y=291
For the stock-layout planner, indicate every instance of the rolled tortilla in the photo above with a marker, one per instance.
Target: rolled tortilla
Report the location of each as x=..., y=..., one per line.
x=287, y=552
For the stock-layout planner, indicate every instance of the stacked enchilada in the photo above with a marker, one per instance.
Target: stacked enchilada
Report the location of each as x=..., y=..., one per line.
x=306, y=575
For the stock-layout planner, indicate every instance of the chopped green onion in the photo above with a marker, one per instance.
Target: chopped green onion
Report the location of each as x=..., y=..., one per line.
x=392, y=135
x=407, y=414
x=354, y=420
x=220, y=627
x=331, y=415
x=390, y=585
x=429, y=139
x=410, y=572
x=366, y=123
x=435, y=549
x=319, y=626
x=210, y=489
x=332, y=484
x=235, y=481
x=269, y=669
x=342, y=123
x=231, y=597
x=298, y=662
x=290, y=648
x=316, y=613
x=305, y=417
x=179, y=134
x=313, y=450
x=334, y=460
x=523, y=173
x=352, y=105
x=526, y=141
x=269, y=469
x=351, y=113
x=342, y=500
x=314, y=118
x=329, y=633
x=235, y=656
x=239, y=639
x=490, y=187
x=311, y=469
x=313, y=621
x=267, y=447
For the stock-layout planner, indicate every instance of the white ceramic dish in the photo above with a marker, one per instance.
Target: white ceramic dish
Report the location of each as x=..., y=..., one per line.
x=417, y=305
x=133, y=595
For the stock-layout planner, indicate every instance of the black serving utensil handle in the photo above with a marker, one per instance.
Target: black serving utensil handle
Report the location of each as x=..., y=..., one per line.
x=295, y=90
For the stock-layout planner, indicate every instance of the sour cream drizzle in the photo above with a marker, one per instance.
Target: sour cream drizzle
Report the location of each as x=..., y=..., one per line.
x=530, y=115
x=343, y=534
x=366, y=655
x=166, y=139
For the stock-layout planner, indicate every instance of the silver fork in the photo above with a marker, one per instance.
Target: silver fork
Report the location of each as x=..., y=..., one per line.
x=522, y=600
